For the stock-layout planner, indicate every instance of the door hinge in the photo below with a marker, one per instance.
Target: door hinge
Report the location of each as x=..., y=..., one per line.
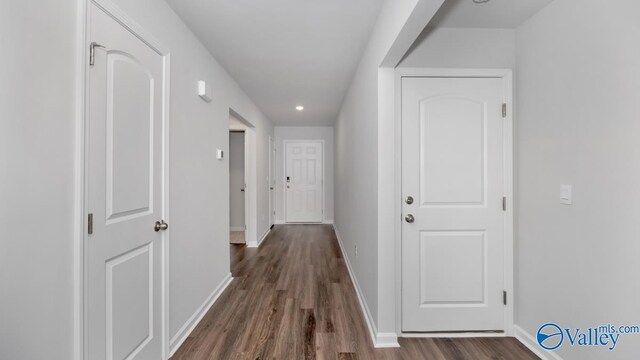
x=90, y=224
x=504, y=110
x=504, y=203
x=92, y=52
x=504, y=297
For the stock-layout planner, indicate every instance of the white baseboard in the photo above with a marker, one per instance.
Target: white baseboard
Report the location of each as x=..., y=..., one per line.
x=237, y=228
x=326, y=222
x=380, y=340
x=530, y=342
x=190, y=325
x=252, y=244
x=453, y=335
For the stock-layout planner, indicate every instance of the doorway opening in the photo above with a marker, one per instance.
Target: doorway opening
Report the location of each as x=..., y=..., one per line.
x=243, y=191
x=237, y=185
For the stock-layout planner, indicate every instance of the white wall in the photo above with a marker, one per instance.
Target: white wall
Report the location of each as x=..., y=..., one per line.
x=236, y=181
x=37, y=179
x=304, y=133
x=578, y=71
x=37, y=111
x=462, y=48
x=364, y=145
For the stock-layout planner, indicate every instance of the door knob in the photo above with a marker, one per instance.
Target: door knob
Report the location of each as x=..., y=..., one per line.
x=409, y=218
x=160, y=225
x=409, y=200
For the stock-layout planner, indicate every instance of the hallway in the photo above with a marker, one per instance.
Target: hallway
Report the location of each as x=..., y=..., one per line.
x=293, y=299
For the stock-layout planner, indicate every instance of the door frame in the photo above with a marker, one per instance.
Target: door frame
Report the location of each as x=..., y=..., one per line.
x=284, y=175
x=507, y=77
x=251, y=180
x=81, y=176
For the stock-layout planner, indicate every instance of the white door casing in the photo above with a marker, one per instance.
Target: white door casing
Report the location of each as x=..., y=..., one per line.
x=453, y=165
x=126, y=189
x=303, y=181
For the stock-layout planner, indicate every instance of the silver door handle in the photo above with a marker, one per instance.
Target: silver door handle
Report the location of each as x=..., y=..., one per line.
x=409, y=200
x=409, y=218
x=160, y=225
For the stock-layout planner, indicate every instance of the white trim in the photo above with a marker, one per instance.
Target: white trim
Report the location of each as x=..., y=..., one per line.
x=284, y=177
x=380, y=340
x=461, y=335
x=237, y=228
x=507, y=76
x=82, y=178
x=252, y=244
x=79, y=188
x=326, y=222
x=529, y=341
x=194, y=320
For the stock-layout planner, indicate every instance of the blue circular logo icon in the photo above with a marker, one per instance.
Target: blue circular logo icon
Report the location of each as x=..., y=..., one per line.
x=550, y=336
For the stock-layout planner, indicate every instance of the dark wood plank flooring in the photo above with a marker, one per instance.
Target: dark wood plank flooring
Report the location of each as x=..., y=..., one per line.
x=293, y=299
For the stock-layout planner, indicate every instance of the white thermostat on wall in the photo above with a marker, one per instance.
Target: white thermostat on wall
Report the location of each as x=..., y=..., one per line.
x=219, y=154
x=204, y=91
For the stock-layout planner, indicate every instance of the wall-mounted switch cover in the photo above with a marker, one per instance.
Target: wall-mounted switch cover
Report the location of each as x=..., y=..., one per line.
x=204, y=91
x=219, y=154
x=566, y=194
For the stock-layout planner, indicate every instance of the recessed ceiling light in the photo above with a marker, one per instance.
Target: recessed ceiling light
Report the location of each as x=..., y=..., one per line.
x=299, y=107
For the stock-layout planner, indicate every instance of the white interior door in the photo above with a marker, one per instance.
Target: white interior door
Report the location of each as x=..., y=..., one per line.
x=125, y=179
x=272, y=180
x=453, y=168
x=303, y=181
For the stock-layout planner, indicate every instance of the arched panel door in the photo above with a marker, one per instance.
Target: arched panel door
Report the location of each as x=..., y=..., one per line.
x=124, y=249
x=453, y=231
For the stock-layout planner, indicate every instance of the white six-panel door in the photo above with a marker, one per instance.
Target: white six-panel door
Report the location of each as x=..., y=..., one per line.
x=125, y=175
x=453, y=230
x=303, y=181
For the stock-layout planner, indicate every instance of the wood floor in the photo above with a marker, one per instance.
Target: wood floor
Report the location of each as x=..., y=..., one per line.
x=293, y=299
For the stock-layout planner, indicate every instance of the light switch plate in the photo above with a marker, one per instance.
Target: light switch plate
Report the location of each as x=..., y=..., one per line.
x=219, y=154
x=566, y=194
x=204, y=91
